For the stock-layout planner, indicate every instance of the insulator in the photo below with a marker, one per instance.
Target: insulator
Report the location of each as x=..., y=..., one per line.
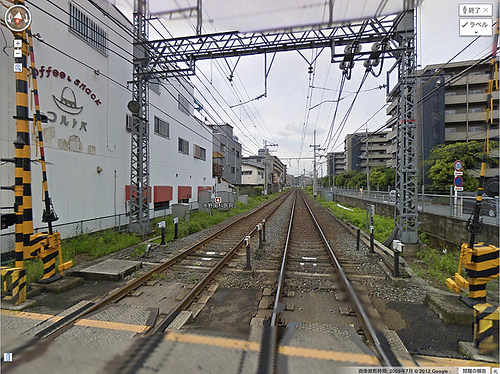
x=367, y=64
x=376, y=47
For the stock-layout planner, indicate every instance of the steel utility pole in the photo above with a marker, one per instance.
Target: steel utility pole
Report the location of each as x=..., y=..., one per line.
x=266, y=154
x=139, y=163
x=315, y=172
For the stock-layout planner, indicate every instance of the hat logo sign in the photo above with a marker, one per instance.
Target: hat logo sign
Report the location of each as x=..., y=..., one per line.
x=67, y=102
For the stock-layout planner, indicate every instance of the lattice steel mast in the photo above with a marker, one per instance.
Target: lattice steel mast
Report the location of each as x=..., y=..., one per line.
x=139, y=161
x=406, y=160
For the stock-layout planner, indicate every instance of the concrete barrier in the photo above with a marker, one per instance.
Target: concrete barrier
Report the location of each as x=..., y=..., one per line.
x=442, y=230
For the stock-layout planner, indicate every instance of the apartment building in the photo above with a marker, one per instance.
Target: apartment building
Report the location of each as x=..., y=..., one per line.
x=335, y=163
x=451, y=107
x=366, y=150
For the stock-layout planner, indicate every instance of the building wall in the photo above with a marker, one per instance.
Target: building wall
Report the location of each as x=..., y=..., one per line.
x=91, y=133
x=225, y=142
x=255, y=178
x=335, y=163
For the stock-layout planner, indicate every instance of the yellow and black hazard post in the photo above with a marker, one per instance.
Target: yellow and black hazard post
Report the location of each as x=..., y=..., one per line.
x=481, y=265
x=17, y=284
x=486, y=328
x=46, y=245
x=482, y=268
x=22, y=187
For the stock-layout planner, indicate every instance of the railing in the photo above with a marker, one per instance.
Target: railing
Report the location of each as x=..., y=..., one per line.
x=448, y=205
x=117, y=222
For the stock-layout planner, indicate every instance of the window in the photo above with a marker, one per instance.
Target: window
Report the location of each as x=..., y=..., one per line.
x=161, y=205
x=247, y=172
x=183, y=146
x=162, y=128
x=475, y=92
x=200, y=152
x=450, y=93
x=475, y=128
x=129, y=123
x=232, y=169
x=475, y=110
x=237, y=154
x=222, y=147
x=184, y=105
x=83, y=26
x=450, y=111
x=450, y=130
x=261, y=174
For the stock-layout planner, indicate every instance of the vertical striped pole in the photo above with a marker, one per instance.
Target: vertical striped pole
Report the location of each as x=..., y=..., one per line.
x=23, y=203
x=474, y=225
x=49, y=215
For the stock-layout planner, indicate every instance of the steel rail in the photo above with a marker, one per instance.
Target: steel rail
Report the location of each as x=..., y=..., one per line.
x=269, y=343
x=63, y=325
x=386, y=355
x=154, y=336
x=206, y=279
x=281, y=278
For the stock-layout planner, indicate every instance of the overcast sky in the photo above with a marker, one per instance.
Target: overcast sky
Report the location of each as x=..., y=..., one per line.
x=292, y=110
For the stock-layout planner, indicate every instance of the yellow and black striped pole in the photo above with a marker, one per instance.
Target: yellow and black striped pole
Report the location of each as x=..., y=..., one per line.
x=48, y=257
x=484, y=259
x=18, y=286
x=48, y=215
x=22, y=188
x=486, y=328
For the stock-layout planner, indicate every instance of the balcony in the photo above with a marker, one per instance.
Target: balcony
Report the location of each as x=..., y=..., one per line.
x=463, y=99
x=471, y=117
x=474, y=79
x=217, y=170
x=471, y=135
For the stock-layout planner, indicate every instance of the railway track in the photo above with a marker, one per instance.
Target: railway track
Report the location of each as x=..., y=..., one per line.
x=230, y=237
x=307, y=254
x=296, y=282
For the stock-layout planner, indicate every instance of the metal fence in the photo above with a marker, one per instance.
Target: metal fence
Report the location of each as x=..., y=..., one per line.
x=449, y=205
x=117, y=222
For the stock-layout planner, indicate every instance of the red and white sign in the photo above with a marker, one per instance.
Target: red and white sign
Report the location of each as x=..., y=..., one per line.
x=218, y=200
x=458, y=166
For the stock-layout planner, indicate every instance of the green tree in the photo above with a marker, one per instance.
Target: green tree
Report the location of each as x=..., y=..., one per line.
x=443, y=157
x=382, y=177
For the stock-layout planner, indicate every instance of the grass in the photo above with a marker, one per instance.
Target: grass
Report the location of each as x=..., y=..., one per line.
x=201, y=220
x=434, y=265
x=383, y=226
x=95, y=245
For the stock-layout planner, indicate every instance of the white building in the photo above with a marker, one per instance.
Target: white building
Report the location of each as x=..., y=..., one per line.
x=252, y=174
x=83, y=58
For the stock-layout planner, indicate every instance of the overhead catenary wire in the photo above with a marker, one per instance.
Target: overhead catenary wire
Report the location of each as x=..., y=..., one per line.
x=118, y=83
x=83, y=63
